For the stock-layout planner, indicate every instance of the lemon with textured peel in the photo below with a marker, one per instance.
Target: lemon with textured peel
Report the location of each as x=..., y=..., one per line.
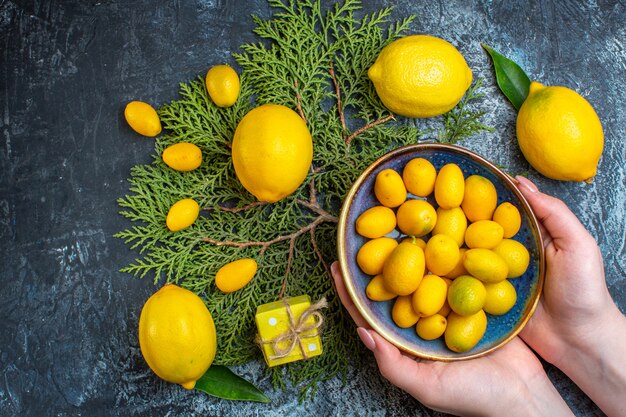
x=420, y=76
x=501, y=297
x=182, y=214
x=223, y=85
x=559, y=133
x=235, y=275
x=272, y=151
x=177, y=335
x=404, y=268
x=464, y=332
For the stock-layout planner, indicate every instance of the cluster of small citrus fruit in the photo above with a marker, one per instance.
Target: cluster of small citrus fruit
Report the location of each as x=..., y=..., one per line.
x=445, y=284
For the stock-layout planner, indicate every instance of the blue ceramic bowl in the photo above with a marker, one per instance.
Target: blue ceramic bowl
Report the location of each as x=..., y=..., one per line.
x=500, y=329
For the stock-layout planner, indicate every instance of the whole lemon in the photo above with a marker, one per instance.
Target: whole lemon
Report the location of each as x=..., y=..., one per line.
x=466, y=295
x=515, y=255
x=142, y=118
x=451, y=222
x=508, y=216
x=420, y=76
x=432, y=327
x=419, y=176
x=402, y=312
x=182, y=214
x=389, y=188
x=372, y=255
x=177, y=335
x=404, y=268
x=501, y=297
x=272, y=151
x=416, y=217
x=485, y=265
x=376, y=290
x=235, y=275
x=222, y=84
x=376, y=222
x=483, y=234
x=441, y=254
x=480, y=198
x=430, y=296
x=450, y=186
x=182, y=156
x=464, y=332
x=560, y=133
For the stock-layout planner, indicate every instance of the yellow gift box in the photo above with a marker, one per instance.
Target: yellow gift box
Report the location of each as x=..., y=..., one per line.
x=289, y=329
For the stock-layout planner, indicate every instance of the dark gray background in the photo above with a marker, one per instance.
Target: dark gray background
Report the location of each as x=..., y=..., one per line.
x=68, y=318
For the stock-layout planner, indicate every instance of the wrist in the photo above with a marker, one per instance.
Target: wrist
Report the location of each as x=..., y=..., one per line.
x=538, y=398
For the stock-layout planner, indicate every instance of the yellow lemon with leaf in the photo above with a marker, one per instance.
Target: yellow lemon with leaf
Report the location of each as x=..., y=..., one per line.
x=177, y=335
x=272, y=152
x=420, y=76
x=560, y=133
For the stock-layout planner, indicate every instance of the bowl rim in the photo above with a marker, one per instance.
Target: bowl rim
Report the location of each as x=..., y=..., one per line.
x=341, y=252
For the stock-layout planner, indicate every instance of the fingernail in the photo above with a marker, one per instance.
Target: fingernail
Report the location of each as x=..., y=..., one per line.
x=334, y=267
x=526, y=184
x=366, y=338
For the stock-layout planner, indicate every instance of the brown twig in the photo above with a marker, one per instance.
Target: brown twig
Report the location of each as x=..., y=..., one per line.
x=317, y=250
x=239, y=209
x=331, y=70
x=368, y=126
x=299, y=103
x=292, y=246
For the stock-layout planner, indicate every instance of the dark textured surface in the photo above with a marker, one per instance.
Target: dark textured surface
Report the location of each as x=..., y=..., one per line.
x=68, y=318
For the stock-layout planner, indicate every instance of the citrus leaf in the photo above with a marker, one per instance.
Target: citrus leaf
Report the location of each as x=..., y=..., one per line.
x=221, y=382
x=512, y=79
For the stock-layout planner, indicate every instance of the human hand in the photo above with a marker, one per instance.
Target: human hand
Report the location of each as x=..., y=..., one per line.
x=509, y=381
x=576, y=325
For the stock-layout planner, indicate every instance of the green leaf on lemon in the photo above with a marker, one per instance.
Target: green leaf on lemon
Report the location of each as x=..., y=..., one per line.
x=221, y=382
x=511, y=78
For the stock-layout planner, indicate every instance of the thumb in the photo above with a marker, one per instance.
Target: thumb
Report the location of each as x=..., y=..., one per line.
x=562, y=226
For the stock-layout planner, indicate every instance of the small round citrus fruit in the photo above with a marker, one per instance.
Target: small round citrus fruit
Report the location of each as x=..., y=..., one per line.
x=419, y=177
x=508, y=216
x=235, y=275
x=515, y=255
x=466, y=295
x=404, y=269
x=560, y=133
x=272, y=151
x=182, y=214
x=485, y=265
x=449, y=186
x=222, y=84
x=389, y=188
x=451, y=222
x=464, y=332
x=402, y=312
x=177, y=335
x=501, y=297
x=416, y=217
x=432, y=327
x=420, y=76
x=182, y=156
x=142, y=118
x=480, y=198
x=372, y=255
x=483, y=234
x=376, y=222
x=441, y=254
x=430, y=296
x=376, y=290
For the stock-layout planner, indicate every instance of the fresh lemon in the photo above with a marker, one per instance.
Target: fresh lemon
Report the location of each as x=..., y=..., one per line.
x=515, y=255
x=373, y=254
x=402, y=312
x=508, y=216
x=182, y=214
x=182, y=156
x=222, y=84
x=235, y=275
x=449, y=186
x=459, y=268
x=480, y=198
x=272, y=151
x=451, y=222
x=416, y=217
x=559, y=133
x=142, y=118
x=430, y=296
x=389, y=188
x=376, y=290
x=441, y=254
x=420, y=76
x=432, y=327
x=464, y=332
x=419, y=177
x=404, y=269
x=177, y=335
x=483, y=234
x=485, y=265
x=376, y=222
x=466, y=295
x=501, y=297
